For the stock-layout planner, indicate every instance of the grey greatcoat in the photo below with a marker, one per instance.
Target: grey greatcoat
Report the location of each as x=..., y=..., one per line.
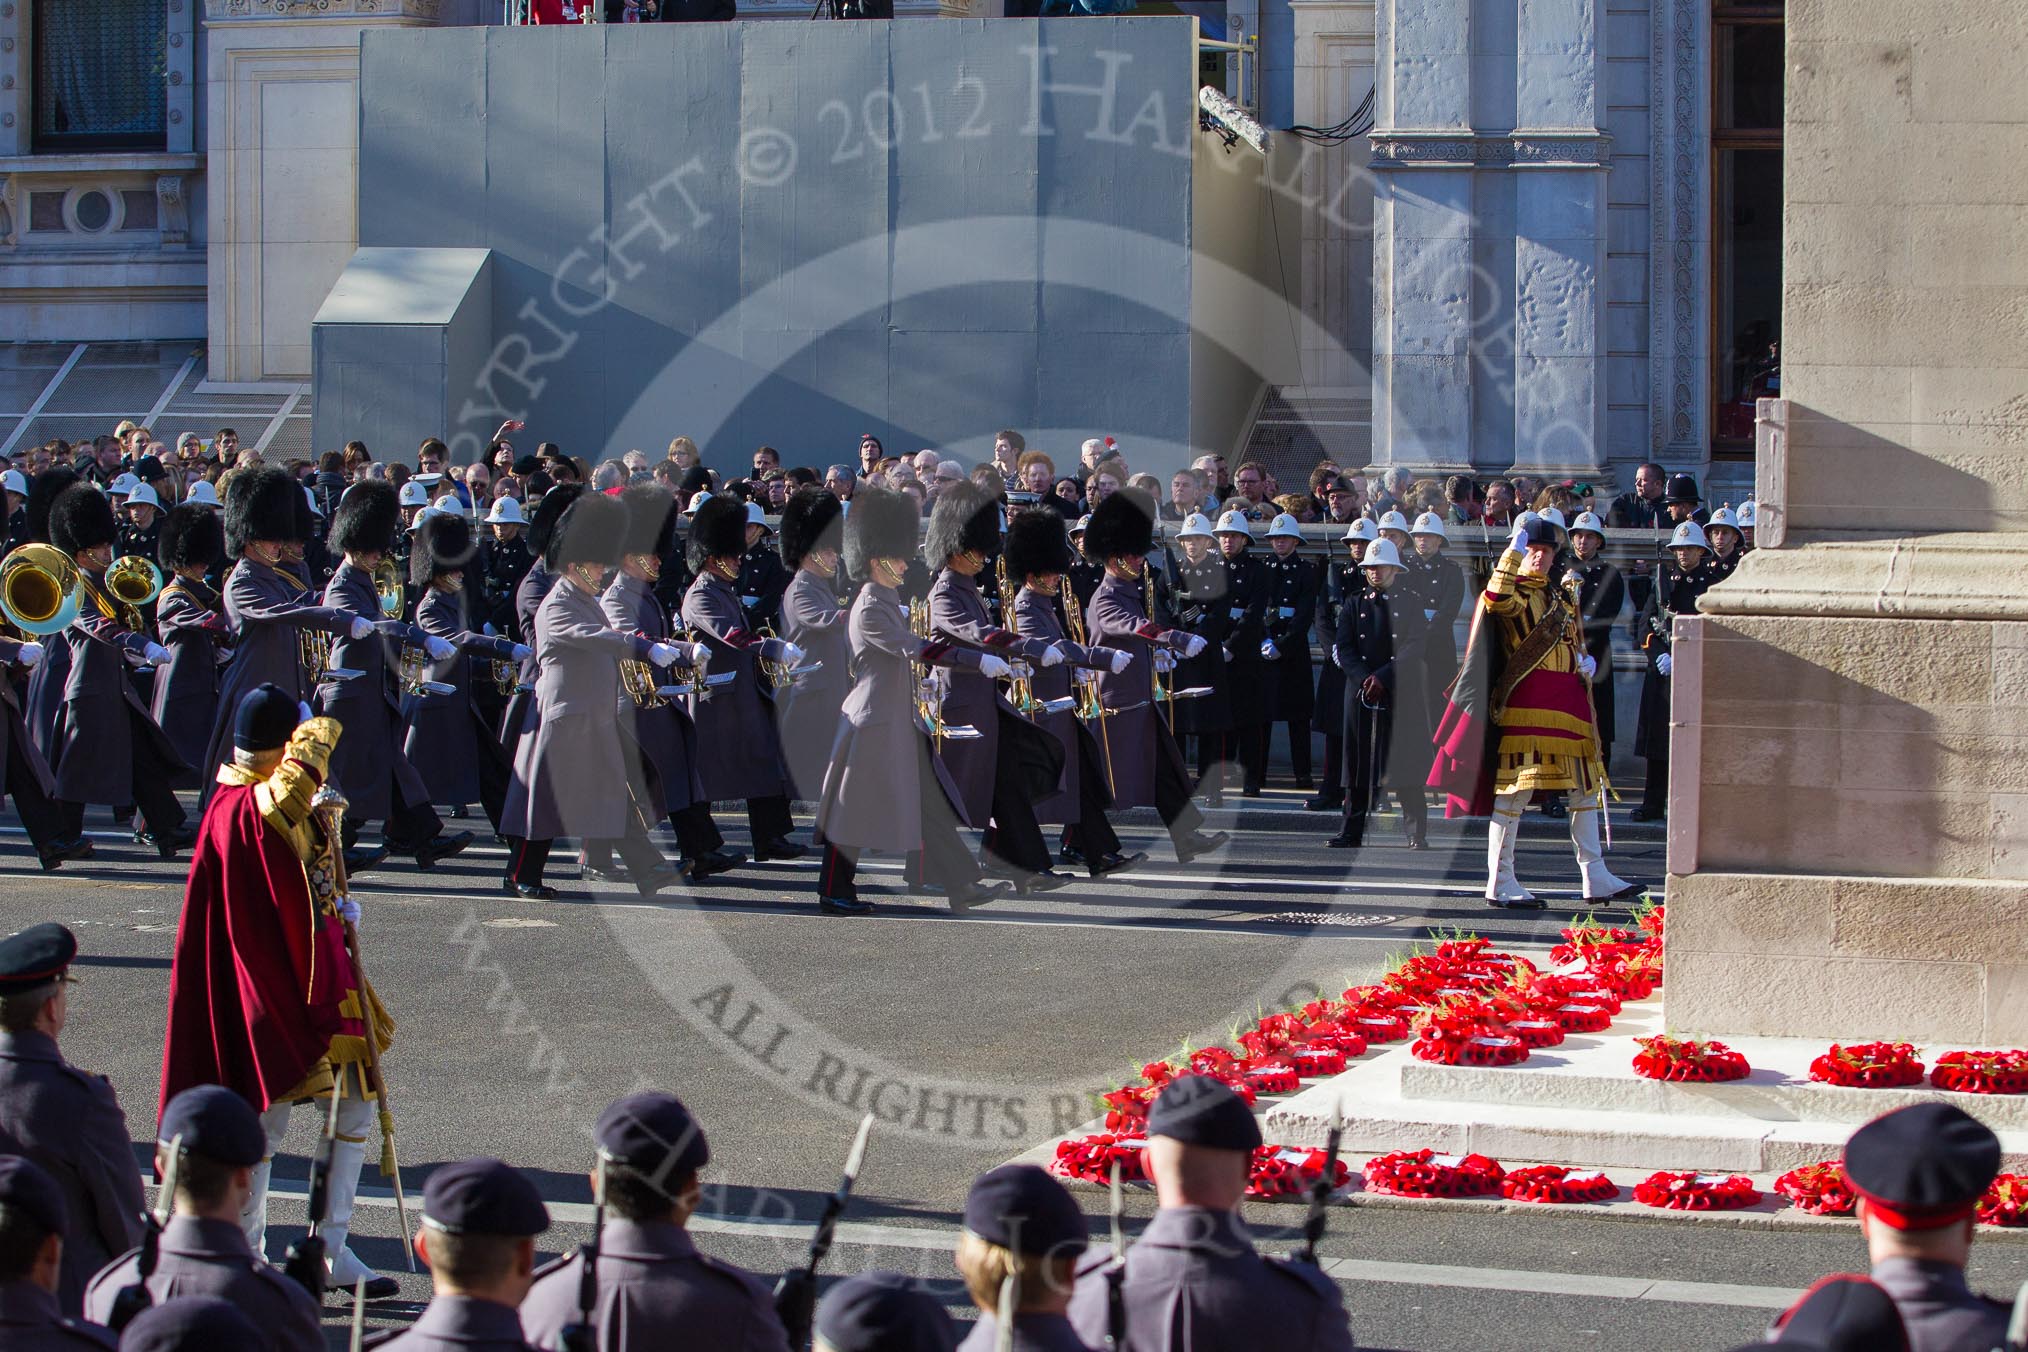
x=102, y=714
x=528, y=595
x=739, y=747
x=570, y=778
x=958, y=614
x=1118, y=618
x=1035, y=617
x=44, y=708
x=655, y=1290
x=813, y=620
x=1194, y=1283
x=197, y=1257
x=369, y=763
x=1938, y=1308
x=32, y=1321
x=666, y=736
x=68, y=1121
x=14, y=728
x=185, y=700
x=268, y=610
x=877, y=761
x=446, y=733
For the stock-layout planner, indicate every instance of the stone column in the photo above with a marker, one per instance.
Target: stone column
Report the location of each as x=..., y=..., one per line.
x=281, y=120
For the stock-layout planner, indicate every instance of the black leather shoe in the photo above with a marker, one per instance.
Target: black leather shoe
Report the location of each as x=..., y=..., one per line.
x=1646, y=814
x=601, y=873
x=1532, y=904
x=711, y=865
x=1556, y=807
x=1417, y=843
x=1200, y=843
x=1214, y=799
x=973, y=895
x=528, y=891
x=668, y=875
x=1305, y=783
x=1070, y=854
x=780, y=848
x=360, y=858
x=182, y=838
x=1046, y=881
x=1250, y=791
x=1324, y=802
x=1116, y=863
x=377, y=1288
x=1627, y=893
x=844, y=906
x=442, y=847
x=1341, y=841
x=61, y=852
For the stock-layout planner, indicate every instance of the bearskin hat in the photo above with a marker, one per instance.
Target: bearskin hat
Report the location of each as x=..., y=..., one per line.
x=717, y=530
x=651, y=520
x=82, y=518
x=368, y=516
x=549, y=511
x=1122, y=526
x=811, y=519
x=443, y=544
x=306, y=517
x=965, y=517
x=881, y=525
x=260, y=504
x=42, y=494
x=593, y=530
x=192, y=536
x=1036, y=543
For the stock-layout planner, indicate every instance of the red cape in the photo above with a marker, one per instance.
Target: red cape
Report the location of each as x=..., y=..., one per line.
x=258, y=979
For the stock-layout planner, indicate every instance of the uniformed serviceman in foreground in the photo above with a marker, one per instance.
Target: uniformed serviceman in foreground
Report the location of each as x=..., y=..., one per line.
x=1920, y=1172
x=655, y=1289
x=217, y=1141
x=882, y=1312
x=480, y=1220
x=63, y=1118
x=1021, y=1225
x=32, y=1225
x=1193, y=1281
x=193, y=1324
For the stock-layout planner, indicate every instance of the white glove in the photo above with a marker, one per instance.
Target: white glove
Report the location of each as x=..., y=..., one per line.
x=700, y=654
x=30, y=655
x=1269, y=650
x=1052, y=656
x=1662, y=664
x=1518, y=542
x=993, y=667
x=1587, y=666
x=303, y=713
x=438, y=648
x=521, y=652
x=487, y=629
x=155, y=654
x=349, y=909
x=781, y=650
x=1164, y=660
x=1193, y=645
x=662, y=654
x=361, y=629
x=1120, y=658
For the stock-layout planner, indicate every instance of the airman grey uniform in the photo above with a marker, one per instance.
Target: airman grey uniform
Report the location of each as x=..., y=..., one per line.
x=199, y=1257
x=655, y=1290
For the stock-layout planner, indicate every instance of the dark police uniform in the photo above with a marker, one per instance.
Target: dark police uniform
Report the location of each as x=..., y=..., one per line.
x=1601, y=592
x=760, y=583
x=196, y=1256
x=1199, y=597
x=1675, y=593
x=66, y=1121
x=1921, y=1168
x=1386, y=745
x=1290, y=609
x=1246, y=609
x=30, y=1320
x=472, y=1197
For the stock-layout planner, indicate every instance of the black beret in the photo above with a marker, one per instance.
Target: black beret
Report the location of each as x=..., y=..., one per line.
x=483, y=1197
x=1923, y=1166
x=192, y=1324
x=883, y=1312
x=1198, y=1110
x=1682, y=488
x=35, y=957
x=1844, y=1313
x=653, y=1134
x=27, y=1187
x=1020, y=1207
x=216, y=1123
x=265, y=718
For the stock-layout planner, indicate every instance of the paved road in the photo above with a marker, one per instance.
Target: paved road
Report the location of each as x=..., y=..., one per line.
x=971, y=1038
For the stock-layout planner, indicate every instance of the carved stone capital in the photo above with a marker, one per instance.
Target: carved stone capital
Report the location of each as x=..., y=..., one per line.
x=172, y=213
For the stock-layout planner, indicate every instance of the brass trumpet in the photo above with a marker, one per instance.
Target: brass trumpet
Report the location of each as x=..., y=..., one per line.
x=638, y=679
x=1086, y=685
x=39, y=589
x=506, y=675
x=415, y=669
x=313, y=648
x=387, y=586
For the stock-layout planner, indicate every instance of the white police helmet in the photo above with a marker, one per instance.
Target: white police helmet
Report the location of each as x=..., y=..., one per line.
x=1747, y=511
x=1688, y=533
x=1429, y=523
x=1234, y=523
x=1588, y=521
x=1196, y=526
x=1361, y=531
x=1724, y=516
x=414, y=494
x=204, y=493
x=1381, y=553
x=1394, y=521
x=1285, y=527
x=506, y=512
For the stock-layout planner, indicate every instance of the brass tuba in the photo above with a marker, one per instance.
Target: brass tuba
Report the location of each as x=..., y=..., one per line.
x=134, y=580
x=387, y=585
x=39, y=589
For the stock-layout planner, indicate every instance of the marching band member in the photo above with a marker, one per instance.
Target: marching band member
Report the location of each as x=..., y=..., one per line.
x=193, y=629
x=1246, y=607
x=880, y=760
x=379, y=782
x=570, y=773
x=1199, y=598
x=1519, y=720
x=449, y=740
x=1037, y=553
x=528, y=597
x=1680, y=580
x=43, y=708
x=813, y=534
x=739, y=746
x=1379, y=650
x=1002, y=772
x=1291, y=608
x=108, y=748
x=266, y=607
x=661, y=732
x=1148, y=766
x=24, y=774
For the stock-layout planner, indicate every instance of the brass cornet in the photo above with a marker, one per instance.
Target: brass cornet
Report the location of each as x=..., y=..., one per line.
x=387, y=586
x=638, y=679
x=313, y=647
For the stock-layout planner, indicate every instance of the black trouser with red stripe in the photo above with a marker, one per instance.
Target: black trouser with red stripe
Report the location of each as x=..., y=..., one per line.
x=41, y=816
x=1091, y=835
x=527, y=858
x=941, y=860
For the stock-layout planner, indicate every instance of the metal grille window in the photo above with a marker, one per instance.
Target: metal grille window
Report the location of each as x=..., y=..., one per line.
x=100, y=72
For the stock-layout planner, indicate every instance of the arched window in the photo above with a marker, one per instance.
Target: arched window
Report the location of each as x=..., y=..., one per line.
x=101, y=75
